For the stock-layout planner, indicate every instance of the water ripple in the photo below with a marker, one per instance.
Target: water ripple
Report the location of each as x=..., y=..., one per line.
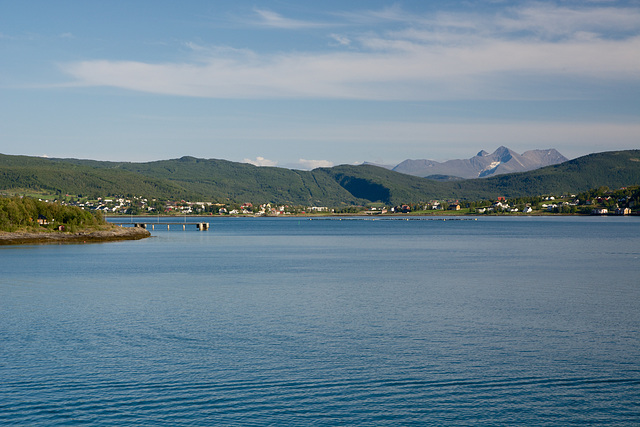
x=348, y=401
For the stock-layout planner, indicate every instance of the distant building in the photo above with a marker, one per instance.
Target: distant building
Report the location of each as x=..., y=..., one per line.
x=623, y=211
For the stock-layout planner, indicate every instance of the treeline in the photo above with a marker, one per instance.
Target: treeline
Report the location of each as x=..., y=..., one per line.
x=23, y=213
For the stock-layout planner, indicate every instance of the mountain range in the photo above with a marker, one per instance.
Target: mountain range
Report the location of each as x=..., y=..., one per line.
x=482, y=165
x=194, y=179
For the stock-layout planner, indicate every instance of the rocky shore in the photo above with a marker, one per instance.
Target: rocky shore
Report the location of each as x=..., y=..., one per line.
x=90, y=236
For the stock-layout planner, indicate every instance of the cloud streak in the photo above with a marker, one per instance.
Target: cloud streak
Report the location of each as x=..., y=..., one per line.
x=452, y=56
x=272, y=19
x=313, y=164
x=260, y=161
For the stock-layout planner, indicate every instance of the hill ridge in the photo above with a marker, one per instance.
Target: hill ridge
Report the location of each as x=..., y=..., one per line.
x=191, y=178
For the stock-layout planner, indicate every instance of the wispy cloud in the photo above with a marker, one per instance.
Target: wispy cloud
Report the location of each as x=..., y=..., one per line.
x=445, y=56
x=260, y=161
x=340, y=39
x=388, y=14
x=548, y=20
x=272, y=19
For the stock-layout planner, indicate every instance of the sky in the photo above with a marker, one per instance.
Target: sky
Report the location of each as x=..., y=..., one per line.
x=304, y=84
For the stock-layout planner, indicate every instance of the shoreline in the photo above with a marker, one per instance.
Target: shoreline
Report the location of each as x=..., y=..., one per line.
x=89, y=236
x=362, y=214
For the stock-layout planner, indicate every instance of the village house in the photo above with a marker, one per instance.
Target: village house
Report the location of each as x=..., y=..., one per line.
x=376, y=211
x=403, y=209
x=623, y=211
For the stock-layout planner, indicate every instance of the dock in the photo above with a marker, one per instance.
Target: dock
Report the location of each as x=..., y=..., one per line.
x=202, y=226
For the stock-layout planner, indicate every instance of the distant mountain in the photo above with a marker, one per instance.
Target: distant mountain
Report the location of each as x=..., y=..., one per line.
x=613, y=169
x=483, y=165
x=215, y=180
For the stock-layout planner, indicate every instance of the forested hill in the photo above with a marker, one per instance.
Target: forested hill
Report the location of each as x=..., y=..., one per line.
x=186, y=178
x=75, y=177
x=194, y=179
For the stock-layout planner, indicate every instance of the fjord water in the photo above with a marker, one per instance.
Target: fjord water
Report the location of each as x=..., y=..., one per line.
x=271, y=321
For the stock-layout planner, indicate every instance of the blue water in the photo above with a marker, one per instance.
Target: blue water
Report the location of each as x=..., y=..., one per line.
x=272, y=321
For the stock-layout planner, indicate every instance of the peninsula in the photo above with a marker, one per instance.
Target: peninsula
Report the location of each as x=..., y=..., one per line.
x=112, y=233
x=30, y=221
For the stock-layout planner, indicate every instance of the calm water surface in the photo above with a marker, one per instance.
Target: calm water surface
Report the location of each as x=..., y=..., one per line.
x=528, y=321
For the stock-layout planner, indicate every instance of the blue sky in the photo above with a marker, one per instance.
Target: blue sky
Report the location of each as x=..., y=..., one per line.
x=317, y=83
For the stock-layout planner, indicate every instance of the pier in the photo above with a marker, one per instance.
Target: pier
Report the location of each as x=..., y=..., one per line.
x=202, y=226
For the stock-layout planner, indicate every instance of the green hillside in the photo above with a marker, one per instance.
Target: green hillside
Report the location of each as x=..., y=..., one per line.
x=222, y=180
x=611, y=169
x=193, y=179
x=56, y=176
